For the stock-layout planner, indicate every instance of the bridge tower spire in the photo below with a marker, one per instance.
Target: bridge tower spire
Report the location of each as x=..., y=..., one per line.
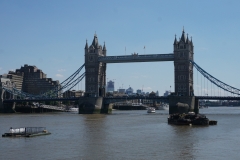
x=183, y=71
x=95, y=79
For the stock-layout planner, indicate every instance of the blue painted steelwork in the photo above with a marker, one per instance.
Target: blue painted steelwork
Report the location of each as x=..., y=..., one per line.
x=216, y=81
x=108, y=100
x=136, y=58
x=218, y=98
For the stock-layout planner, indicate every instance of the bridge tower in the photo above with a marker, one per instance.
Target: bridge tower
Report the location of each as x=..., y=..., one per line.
x=95, y=79
x=183, y=100
x=183, y=52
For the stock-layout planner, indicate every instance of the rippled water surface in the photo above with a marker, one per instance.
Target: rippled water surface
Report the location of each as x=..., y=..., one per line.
x=123, y=135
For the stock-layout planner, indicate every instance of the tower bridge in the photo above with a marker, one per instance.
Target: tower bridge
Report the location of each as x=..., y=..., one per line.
x=96, y=60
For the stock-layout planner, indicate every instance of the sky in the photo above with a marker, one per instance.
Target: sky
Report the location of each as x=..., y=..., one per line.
x=51, y=34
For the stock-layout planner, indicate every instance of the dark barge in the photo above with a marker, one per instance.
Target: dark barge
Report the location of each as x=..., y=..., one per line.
x=26, y=132
x=190, y=119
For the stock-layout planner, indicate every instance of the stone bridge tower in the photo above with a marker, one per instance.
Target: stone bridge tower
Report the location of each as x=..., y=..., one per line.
x=183, y=70
x=183, y=100
x=95, y=79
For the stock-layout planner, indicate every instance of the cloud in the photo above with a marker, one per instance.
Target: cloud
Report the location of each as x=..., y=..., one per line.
x=147, y=88
x=59, y=75
x=61, y=70
x=0, y=68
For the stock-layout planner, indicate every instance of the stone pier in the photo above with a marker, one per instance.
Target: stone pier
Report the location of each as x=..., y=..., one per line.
x=1, y=99
x=93, y=105
x=1, y=106
x=5, y=108
x=184, y=103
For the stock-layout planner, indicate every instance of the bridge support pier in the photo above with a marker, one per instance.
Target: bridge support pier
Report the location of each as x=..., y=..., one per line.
x=1, y=106
x=93, y=105
x=6, y=108
x=190, y=104
x=1, y=99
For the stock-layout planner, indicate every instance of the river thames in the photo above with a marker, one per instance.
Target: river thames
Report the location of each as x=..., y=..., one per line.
x=123, y=135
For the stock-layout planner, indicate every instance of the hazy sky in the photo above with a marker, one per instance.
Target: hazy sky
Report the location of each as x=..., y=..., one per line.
x=51, y=34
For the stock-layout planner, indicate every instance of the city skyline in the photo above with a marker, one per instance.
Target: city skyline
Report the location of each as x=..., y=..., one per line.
x=52, y=34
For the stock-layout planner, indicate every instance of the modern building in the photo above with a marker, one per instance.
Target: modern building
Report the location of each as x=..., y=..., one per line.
x=167, y=93
x=152, y=94
x=31, y=80
x=122, y=91
x=110, y=86
x=73, y=93
x=129, y=90
x=17, y=78
x=139, y=91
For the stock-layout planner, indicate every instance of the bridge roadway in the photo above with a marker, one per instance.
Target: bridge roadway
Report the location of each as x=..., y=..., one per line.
x=115, y=99
x=77, y=98
x=217, y=98
x=137, y=58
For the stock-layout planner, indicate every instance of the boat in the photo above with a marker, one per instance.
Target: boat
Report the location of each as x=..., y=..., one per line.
x=189, y=119
x=129, y=106
x=163, y=106
x=73, y=109
x=26, y=132
x=201, y=107
x=151, y=110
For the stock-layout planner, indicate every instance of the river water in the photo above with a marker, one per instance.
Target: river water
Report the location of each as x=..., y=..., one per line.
x=123, y=135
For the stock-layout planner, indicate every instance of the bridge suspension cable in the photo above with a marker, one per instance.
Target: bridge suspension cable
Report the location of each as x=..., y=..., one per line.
x=216, y=81
x=70, y=81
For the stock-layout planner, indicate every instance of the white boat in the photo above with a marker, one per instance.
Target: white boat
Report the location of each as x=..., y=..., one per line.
x=163, y=106
x=151, y=110
x=73, y=109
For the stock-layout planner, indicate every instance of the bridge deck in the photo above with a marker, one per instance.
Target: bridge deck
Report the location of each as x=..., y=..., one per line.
x=108, y=99
x=137, y=58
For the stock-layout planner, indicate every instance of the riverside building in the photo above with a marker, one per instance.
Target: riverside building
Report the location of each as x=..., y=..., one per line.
x=31, y=80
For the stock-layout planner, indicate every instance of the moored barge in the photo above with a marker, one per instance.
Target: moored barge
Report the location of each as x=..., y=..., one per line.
x=26, y=132
x=190, y=119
